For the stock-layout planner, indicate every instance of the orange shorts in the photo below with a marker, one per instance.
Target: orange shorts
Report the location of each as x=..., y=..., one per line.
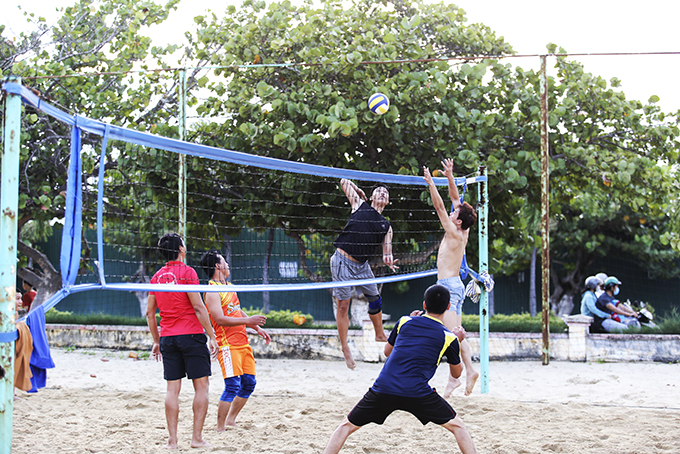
x=236, y=360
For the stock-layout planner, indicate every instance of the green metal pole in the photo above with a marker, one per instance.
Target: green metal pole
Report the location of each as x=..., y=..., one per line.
x=9, y=206
x=483, y=219
x=545, y=210
x=182, y=157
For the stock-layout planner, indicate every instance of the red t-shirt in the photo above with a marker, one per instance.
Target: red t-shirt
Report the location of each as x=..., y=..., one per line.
x=27, y=299
x=177, y=314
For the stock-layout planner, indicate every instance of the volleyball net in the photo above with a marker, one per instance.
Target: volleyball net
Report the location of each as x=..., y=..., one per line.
x=274, y=221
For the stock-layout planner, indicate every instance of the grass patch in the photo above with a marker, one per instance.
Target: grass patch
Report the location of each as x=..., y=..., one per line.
x=515, y=323
x=69, y=318
x=275, y=319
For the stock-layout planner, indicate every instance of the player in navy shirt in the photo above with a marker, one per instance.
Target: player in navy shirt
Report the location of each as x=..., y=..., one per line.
x=414, y=350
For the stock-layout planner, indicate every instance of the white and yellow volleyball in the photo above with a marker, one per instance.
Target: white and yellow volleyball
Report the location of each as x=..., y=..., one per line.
x=378, y=103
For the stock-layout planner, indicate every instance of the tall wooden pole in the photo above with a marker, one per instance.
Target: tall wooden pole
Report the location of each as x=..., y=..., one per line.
x=545, y=210
x=182, y=170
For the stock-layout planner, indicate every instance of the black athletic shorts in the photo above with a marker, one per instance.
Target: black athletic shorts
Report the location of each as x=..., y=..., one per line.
x=186, y=355
x=376, y=407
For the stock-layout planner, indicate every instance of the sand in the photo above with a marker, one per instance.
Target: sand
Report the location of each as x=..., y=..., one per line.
x=99, y=401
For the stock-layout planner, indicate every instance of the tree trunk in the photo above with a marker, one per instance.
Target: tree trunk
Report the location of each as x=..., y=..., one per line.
x=265, y=271
x=44, y=277
x=532, y=284
x=567, y=286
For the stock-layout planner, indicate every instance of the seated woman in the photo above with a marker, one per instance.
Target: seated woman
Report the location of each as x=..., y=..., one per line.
x=589, y=304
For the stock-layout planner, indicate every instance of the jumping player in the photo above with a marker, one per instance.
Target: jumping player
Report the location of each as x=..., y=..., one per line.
x=235, y=355
x=451, y=249
x=365, y=231
x=182, y=341
x=414, y=349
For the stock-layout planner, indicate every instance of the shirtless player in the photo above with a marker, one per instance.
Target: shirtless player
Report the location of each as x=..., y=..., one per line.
x=457, y=229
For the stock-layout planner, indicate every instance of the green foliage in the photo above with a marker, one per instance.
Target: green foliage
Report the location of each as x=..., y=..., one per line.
x=669, y=324
x=613, y=172
x=284, y=319
x=55, y=316
x=499, y=323
x=275, y=319
x=81, y=65
x=515, y=323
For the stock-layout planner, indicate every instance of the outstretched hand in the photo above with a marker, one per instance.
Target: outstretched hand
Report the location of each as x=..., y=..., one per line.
x=390, y=262
x=448, y=167
x=426, y=175
x=256, y=320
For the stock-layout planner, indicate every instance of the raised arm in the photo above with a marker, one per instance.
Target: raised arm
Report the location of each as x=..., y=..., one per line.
x=212, y=300
x=453, y=188
x=387, y=251
x=354, y=194
x=438, y=204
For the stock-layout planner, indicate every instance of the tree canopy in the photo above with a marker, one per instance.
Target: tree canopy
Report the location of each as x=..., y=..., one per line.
x=292, y=81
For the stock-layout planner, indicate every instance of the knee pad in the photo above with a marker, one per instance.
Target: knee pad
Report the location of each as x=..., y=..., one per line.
x=248, y=383
x=374, y=306
x=232, y=385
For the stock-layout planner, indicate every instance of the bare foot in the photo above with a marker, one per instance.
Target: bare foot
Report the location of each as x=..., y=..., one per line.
x=470, y=380
x=450, y=386
x=231, y=424
x=382, y=338
x=349, y=360
x=200, y=444
x=171, y=445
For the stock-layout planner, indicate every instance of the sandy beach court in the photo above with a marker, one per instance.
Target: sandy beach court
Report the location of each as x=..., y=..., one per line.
x=100, y=401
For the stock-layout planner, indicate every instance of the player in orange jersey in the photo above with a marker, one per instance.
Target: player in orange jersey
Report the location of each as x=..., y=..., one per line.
x=235, y=354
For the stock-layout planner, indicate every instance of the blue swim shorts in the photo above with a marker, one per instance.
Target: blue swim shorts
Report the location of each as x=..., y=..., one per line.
x=457, y=290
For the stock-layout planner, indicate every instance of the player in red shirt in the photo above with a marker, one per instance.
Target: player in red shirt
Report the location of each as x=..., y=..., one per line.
x=235, y=356
x=182, y=340
x=29, y=296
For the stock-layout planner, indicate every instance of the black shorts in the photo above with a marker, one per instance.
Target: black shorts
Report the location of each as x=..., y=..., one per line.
x=186, y=355
x=376, y=407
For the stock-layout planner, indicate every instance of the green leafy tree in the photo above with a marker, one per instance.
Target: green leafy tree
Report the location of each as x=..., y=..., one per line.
x=612, y=179
x=611, y=159
x=609, y=156
x=316, y=112
x=81, y=65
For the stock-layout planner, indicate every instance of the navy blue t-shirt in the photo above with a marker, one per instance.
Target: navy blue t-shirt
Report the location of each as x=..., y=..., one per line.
x=602, y=302
x=419, y=345
x=364, y=232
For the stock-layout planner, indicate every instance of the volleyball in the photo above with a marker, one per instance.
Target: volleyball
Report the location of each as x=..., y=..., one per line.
x=378, y=103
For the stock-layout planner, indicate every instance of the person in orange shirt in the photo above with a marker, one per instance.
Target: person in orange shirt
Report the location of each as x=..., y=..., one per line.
x=235, y=353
